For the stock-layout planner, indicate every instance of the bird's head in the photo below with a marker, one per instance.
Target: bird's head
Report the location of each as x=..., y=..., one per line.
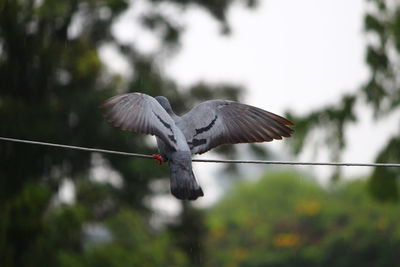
x=164, y=103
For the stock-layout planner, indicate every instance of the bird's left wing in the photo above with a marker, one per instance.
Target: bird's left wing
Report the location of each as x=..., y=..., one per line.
x=143, y=114
x=216, y=122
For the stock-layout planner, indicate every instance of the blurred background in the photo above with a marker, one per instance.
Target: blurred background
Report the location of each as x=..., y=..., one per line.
x=332, y=67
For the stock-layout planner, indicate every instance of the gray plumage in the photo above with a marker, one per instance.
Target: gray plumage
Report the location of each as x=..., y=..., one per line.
x=209, y=124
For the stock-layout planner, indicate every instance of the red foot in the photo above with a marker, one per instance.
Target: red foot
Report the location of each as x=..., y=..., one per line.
x=158, y=158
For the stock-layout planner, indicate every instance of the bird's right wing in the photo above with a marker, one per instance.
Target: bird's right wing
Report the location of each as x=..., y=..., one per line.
x=216, y=122
x=143, y=114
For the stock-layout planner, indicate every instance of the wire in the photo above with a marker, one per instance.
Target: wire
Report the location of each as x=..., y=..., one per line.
x=76, y=147
x=271, y=162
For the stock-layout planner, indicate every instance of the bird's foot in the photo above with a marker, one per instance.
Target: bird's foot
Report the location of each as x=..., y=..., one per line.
x=158, y=158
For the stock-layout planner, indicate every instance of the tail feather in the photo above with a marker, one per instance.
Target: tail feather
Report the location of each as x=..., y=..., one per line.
x=183, y=181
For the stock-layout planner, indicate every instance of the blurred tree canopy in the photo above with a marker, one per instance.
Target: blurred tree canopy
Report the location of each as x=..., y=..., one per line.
x=52, y=81
x=287, y=219
x=380, y=93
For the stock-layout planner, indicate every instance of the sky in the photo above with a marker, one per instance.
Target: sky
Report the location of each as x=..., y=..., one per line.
x=288, y=54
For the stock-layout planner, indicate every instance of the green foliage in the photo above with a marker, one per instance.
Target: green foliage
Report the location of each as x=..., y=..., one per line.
x=21, y=222
x=132, y=245
x=189, y=234
x=129, y=241
x=381, y=93
x=286, y=219
x=384, y=181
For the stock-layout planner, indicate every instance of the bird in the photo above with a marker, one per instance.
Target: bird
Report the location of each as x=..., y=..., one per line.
x=209, y=124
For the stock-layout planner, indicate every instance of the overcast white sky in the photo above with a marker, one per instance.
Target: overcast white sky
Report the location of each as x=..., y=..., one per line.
x=289, y=54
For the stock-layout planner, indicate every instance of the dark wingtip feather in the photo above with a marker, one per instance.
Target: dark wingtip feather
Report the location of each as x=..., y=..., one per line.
x=283, y=120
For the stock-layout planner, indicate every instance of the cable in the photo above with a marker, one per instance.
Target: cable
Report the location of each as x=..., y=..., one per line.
x=208, y=160
x=76, y=147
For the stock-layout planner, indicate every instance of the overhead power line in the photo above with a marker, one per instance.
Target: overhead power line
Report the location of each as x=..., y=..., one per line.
x=270, y=162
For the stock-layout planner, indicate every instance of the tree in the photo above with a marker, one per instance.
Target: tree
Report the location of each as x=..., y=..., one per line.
x=287, y=219
x=381, y=93
x=52, y=81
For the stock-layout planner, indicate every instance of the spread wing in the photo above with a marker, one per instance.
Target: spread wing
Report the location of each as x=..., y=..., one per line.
x=143, y=114
x=216, y=122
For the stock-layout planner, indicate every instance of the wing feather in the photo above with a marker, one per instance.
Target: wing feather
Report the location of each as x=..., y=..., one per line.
x=234, y=123
x=275, y=122
x=143, y=114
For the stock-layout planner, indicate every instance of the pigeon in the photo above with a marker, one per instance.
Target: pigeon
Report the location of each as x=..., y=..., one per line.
x=206, y=126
